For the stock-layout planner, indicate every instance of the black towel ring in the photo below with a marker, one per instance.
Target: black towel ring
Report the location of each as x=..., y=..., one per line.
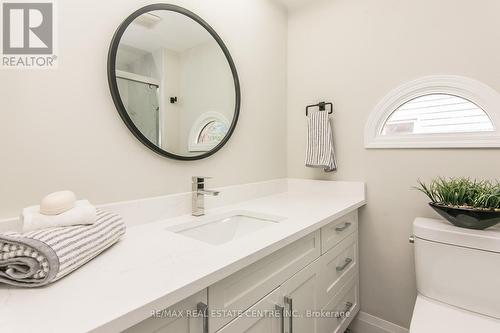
x=321, y=107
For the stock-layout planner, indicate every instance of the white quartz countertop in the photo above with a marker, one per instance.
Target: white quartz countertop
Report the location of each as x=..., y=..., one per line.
x=152, y=268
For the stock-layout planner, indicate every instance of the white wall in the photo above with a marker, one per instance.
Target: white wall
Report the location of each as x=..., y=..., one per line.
x=353, y=53
x=206, y=85
x=171, y=111
x=60, y=130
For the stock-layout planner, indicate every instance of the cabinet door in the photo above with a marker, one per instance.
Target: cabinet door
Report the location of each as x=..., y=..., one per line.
x=300, y=296
x=254, y=320
x=175, y=319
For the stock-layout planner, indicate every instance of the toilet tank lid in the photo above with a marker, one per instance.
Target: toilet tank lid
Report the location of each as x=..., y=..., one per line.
x=443, y=232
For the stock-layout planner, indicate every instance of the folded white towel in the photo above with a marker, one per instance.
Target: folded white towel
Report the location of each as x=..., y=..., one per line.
x=319, y=149
x=83, y=213
x=37, y=258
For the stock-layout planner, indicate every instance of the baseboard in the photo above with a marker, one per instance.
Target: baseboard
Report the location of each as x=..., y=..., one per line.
x=366, y=323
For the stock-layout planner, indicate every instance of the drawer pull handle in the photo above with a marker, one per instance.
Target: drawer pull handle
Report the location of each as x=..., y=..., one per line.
x=348, y=307
x=346, y=263
x=281, y=311
x=203, y=309
x=342, y=228
x=289, y=301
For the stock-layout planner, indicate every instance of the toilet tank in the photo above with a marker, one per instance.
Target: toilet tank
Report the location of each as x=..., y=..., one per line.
x=457, y=266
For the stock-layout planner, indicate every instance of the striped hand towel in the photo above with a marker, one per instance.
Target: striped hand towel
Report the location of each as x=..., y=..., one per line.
x=37, y=258
x=320, y=151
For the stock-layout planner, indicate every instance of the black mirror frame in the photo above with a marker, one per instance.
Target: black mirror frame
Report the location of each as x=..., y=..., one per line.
x=115, y=94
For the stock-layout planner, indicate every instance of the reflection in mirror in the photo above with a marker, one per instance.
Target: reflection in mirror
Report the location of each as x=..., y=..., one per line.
x=175, y=83
x=207, y=131
x=437, y=113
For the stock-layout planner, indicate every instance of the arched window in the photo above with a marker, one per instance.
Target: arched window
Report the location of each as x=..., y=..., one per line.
x=436, y=112
x=208, y=131
x=212, y=133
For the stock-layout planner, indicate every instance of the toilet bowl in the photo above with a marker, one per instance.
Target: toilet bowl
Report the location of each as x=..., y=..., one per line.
x=458, y=278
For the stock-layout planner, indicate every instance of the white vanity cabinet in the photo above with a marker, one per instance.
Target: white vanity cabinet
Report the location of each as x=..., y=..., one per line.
x=313, y=278
x=241, y=290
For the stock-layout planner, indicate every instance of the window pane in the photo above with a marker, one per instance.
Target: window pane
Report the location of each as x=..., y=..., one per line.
x=213, y=132
x=437, y=113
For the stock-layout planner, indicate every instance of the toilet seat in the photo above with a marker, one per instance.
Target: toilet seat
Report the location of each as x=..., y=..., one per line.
x=430, y=316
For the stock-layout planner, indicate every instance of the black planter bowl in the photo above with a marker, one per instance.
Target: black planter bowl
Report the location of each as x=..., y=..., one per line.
x=469, y=218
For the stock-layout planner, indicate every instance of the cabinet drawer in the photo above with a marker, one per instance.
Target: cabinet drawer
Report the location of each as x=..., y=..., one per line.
x=339, y=229
x=337, y=266
x=245, y=287
x=345, y=302
x=174, y=319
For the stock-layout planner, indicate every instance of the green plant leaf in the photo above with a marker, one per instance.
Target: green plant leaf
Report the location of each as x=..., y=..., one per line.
x=462, y=192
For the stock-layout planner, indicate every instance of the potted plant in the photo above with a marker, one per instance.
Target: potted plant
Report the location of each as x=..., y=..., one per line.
x=464, y=202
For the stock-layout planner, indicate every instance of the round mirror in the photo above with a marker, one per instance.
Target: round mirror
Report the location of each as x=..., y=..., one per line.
x=174, y=82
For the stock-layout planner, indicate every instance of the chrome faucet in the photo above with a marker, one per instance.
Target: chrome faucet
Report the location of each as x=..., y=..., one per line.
x=199, y=193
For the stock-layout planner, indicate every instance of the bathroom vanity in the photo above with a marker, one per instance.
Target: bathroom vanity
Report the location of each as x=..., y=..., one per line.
x=317, y=272
x=283, y=246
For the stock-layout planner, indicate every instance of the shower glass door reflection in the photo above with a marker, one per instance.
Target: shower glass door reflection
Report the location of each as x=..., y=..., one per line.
x=142, y=104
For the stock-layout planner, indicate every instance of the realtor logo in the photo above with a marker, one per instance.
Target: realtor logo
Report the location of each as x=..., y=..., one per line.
x=28, y=34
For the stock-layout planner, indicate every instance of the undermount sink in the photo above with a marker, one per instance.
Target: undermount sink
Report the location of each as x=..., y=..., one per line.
x=226, y=227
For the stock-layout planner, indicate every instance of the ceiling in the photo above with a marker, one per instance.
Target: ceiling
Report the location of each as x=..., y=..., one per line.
x=172, y=31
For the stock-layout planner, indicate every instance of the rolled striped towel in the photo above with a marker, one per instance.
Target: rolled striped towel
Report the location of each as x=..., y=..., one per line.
x=37, y=258
x=320, y=152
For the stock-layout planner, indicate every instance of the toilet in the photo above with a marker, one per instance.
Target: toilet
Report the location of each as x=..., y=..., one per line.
x=458, y=278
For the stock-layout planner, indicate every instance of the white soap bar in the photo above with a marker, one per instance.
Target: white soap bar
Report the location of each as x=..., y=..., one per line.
x=57, y=203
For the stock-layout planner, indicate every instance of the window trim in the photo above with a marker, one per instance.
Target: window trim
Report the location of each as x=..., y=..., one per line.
x=477, y=92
